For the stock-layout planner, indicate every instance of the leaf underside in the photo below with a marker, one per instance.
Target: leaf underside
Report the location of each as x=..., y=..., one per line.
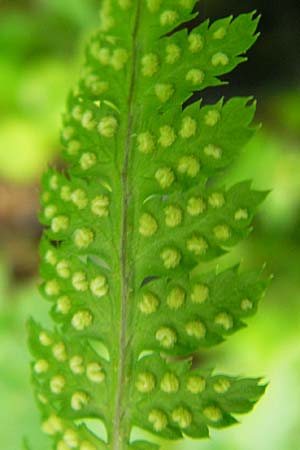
x=134, y=212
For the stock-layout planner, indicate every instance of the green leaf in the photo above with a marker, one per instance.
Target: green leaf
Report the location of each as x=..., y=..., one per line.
x=135, y=211
x=143, y=445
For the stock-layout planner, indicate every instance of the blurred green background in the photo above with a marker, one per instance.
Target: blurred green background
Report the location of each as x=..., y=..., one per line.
x=40, y=54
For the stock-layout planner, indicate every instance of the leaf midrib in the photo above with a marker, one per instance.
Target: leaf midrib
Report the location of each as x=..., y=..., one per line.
x=118, y=432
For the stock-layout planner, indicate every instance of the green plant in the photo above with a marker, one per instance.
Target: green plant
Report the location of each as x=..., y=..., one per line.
x=128, y=221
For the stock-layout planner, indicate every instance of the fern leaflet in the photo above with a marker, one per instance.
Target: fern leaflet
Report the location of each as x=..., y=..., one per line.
x=136, y=210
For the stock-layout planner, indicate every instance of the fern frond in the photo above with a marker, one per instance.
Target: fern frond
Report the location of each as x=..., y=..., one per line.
x=137, y=209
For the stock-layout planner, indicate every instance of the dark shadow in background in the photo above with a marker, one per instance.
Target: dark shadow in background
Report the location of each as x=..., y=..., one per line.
x=274, y=61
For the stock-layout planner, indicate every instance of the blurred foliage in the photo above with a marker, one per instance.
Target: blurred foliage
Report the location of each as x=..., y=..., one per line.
x=38, y=41
x=40, y=54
